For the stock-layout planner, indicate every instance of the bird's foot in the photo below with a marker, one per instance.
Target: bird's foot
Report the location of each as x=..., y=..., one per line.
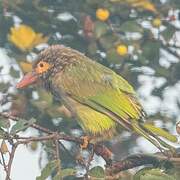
x=171, y=152
x=85, y=142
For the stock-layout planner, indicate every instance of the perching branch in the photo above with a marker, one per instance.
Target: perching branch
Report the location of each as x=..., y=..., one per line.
x=101, y=150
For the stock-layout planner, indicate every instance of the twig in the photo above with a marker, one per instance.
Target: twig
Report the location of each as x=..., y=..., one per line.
x=135, y=161
x=4, y=164
x=14, y=118
x=90, y=158
x=58, y=155
x=11, y=160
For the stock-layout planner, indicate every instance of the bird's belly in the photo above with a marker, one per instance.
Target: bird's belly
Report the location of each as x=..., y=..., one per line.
x=92, y=121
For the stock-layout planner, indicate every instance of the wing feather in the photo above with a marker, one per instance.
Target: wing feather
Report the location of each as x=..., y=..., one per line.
x=102, y=89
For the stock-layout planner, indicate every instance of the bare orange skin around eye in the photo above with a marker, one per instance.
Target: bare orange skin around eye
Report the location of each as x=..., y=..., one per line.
x=42, y=67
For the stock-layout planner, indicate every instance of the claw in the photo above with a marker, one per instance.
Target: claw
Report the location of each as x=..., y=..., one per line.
x=85, y=143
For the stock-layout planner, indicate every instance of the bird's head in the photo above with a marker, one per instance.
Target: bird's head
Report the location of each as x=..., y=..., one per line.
x=49, y=62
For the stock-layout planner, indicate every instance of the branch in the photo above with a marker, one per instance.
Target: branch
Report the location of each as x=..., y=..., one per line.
x=131, y=162
x=4, y=165
x=57, y=154
x=14, y=118
x=101, y=150
x=11, y=160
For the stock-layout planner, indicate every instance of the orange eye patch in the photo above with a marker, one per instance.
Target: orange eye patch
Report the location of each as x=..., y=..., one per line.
x=42, y=67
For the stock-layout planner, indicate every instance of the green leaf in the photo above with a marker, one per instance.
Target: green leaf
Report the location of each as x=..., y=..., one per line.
x=100, y=29
x=2, y=132
x=22, y=125
x=57, y=176
x=68, y=172
x=131, y=26
x=152, y=174
x=48, y=170
x=150, y=50
x=113, y=57
x=107, y=41
x=14, y=73
x=64, y=173
x=143, y=60
x=92, y=48
x=4, y=123
x=4, y=86
x=168, y=32
x=97, y=172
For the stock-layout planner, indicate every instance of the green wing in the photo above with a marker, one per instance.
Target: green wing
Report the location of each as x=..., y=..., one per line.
x=96, y=86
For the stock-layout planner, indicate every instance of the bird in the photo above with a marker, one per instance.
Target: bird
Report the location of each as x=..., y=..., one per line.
x=99, y=99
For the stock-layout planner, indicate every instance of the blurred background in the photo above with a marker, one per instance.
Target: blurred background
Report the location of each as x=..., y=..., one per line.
x=138, y=39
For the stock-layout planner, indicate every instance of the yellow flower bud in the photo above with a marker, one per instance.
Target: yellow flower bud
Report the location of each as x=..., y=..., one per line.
x=122, y=50
x=102, y=14
x=156, y=22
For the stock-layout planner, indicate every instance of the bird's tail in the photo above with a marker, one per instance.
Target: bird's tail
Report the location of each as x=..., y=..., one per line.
x=160, y=132
x=154, y=134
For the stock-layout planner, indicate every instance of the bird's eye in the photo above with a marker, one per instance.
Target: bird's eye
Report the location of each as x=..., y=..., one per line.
x=42, y=67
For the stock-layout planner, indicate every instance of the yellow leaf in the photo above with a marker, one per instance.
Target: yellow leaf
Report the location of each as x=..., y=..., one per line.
x=26, y=67
x=25, y=38
x=144, y=4
x=4, y=148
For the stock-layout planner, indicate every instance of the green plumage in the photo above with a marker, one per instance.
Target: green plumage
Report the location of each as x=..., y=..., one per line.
x=102, y=100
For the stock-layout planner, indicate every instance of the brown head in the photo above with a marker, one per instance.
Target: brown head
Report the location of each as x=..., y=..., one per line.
x=49, y=62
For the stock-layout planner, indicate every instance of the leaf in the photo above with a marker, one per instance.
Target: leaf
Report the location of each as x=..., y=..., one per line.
x=25, y=66
x=14, y=73
x=131, y=26
x=22, y=125
x=107, y=41
x=4, y=86
x=145, y=4
x=152, y=174
x=142, y=4
x=4, y=148
x=97, y=172
x=57, y=176
x=150, y=50
x=143, y=60
x=4, y=123
x=100, y=29
x=92, y=48
x=168, y=32
x=113, y=57
x=64, y=173
x=68, y=172
x=48, y=169
x=2, y=133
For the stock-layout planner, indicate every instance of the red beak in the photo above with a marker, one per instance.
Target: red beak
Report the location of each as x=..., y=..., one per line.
x=27, y=80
